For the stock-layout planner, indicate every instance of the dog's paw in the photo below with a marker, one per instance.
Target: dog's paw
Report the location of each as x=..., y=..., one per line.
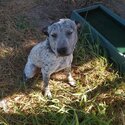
x=48, y=94
x=25, y=79
x=72, y=83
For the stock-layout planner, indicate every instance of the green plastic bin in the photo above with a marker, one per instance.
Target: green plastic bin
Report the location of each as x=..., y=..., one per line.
x=106, y=26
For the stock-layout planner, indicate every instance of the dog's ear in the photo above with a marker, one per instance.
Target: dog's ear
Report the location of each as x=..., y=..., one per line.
x=78, y=24
x=45, y=31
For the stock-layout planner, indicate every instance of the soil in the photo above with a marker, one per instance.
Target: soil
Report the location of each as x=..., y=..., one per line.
x=118, y=6
x=44, y=14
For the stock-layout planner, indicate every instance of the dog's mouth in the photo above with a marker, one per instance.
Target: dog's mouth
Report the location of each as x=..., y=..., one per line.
x=63, y=55
x=63, y=51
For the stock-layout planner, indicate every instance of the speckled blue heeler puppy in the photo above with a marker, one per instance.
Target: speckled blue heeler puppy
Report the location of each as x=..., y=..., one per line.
x=54, y=54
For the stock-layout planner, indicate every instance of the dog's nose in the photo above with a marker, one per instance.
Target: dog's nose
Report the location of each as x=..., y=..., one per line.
x=62, y=51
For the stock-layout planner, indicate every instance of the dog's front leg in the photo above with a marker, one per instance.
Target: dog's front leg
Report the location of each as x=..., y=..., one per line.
x=71, y=80
x=46, y=88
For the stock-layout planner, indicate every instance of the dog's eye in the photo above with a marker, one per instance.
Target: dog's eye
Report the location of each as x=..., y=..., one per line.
x=69, y=33
x=54, y=35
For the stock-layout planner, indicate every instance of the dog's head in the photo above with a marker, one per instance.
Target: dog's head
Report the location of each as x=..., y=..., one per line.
x=62, y=37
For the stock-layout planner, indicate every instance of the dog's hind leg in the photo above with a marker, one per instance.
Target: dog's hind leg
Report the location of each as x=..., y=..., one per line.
x=29, y=71
x=71, y=80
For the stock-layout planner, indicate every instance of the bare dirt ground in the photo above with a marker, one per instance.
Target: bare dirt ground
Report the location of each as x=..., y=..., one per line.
x=42, y=15
x=118, y=6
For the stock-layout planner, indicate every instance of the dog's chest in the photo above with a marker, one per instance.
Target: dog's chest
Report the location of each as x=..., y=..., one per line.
x=63, y=63
x=44, y=58
x=55, y=64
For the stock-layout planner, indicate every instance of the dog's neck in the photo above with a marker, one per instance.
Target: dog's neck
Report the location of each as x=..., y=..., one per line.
x=49, y=47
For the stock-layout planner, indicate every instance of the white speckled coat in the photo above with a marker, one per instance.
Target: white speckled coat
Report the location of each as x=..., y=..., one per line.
x=42, y=56
x=54, y=54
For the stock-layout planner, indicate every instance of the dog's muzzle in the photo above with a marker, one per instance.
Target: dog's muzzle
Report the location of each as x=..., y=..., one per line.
x=63, y=51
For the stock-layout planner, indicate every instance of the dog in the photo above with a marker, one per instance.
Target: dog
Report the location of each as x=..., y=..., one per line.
x=54, y=54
